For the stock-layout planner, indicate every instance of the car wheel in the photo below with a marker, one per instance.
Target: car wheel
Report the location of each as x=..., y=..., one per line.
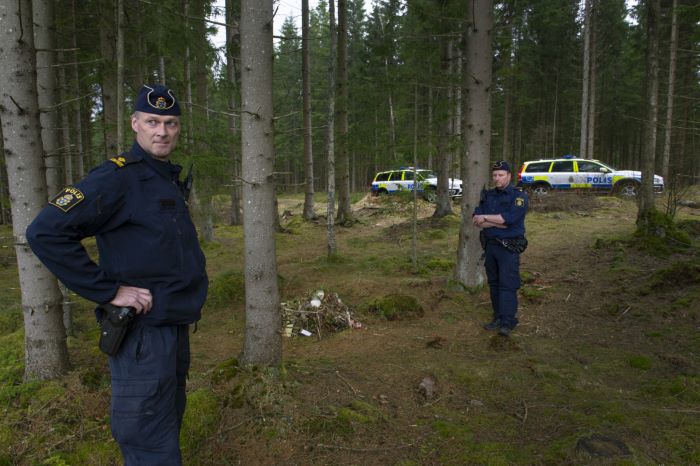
x=429, y=194
x=382, y=192
x=540, y=189
x=627, y=188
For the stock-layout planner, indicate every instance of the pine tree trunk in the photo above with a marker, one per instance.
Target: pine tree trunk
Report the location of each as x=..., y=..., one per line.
x=583, y=150
x=330, y=227
x=44, y=33
x=590, y=144
x=344, y=208
x=77, y=112
x=46, y=352
x=64, y=112
x=309, y=213
x=110, y=101
x=120, y=76
x=443, y=202
x=646, y=194
x=468, y=271
x=666, y=157
x=263, y=342
x=232, y=38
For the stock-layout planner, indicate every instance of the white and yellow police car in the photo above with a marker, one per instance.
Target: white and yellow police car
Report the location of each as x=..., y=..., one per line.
x=568, y=172
x=393, y=181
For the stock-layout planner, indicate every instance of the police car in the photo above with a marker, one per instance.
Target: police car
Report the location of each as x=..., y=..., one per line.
x=393, y=181
x=568, y=172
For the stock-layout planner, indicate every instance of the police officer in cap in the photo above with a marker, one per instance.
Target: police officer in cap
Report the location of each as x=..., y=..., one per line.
x=149, y=260
x=501, y=218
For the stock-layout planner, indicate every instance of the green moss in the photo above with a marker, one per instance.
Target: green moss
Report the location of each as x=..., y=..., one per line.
x=397, y=307
x=527, y=277
x=226, y=289
x=201, y=420
x=433, y=234
x=94, y=378
x=640, y=362
x=224, y=371
x=359, y=411
x=10, y=320
x=94, y=452
x=11, y=358
x=444, y=265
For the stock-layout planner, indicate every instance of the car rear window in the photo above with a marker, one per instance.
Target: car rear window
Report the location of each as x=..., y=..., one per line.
x=588, y=166
x=537, y=167
x=566, y=166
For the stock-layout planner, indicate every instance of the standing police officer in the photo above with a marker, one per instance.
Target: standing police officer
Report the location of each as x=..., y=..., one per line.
x=149, y=260
x=501, y=218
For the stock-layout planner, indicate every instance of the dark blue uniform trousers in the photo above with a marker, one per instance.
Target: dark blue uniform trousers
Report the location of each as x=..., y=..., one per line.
x=503, y=274
x=148, y=394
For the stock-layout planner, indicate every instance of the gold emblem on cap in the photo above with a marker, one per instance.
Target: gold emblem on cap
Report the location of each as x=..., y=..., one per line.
x=161, y=103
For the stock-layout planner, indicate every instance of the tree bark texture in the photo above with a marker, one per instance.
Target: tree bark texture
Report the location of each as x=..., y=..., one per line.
x=443, y=202
x=666, y=157
x=330, y=226
x=341, y=110
x=263, y=341
x=46, y=353
x=583, y=151
x=309, y=213
x=476, y=156
x=44, y=39
x=232, y=45
x=108, y=51
x=120, y=76
x=646, y=195
x=593, y=59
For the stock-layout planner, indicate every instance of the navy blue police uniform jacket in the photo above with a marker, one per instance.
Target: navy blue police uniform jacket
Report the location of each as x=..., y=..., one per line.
x=134, y=206
x=512, y=204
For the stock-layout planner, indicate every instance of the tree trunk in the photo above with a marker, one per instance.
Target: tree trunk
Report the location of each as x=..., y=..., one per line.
x=309, y=213
x=443, y=202
x=344, y=208
x=64, y=111
x=583, y=150
x=46, y=352
x=44, y=33
x=478, y=134
x=120, y=76
x=109, y=71
x=646, y=195
x=671, y=89
x=330, y=228
x=77, y=112
x=590, y=144
x=414, y=220
x=263, y=342
x=232, y=38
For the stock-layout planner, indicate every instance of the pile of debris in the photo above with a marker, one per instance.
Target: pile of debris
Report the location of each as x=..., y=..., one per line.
x=319, y=313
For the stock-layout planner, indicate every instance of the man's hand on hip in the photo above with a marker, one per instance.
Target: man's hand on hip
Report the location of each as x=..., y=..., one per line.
x=130, y=296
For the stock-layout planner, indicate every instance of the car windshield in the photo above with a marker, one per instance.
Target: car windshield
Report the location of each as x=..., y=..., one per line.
x=607, y=166
x=425, y=174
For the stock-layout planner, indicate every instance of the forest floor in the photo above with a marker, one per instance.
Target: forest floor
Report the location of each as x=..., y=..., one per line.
x=604, y=367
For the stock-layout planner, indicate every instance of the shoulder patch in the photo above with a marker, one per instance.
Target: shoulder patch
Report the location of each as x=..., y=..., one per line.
x=519, y=202
x=118, y=161
x=68, y=198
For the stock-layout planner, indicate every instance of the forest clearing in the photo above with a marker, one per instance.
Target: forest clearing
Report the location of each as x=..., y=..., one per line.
x=603, y=368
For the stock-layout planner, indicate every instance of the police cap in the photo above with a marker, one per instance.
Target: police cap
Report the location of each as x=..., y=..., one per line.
x=500, y=165
x=157, y=99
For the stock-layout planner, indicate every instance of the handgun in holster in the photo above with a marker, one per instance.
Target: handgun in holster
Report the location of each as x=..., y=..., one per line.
x=114, y=323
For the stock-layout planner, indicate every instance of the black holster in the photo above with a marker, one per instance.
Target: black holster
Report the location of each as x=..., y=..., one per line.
x=516, y=245
x=114, y=323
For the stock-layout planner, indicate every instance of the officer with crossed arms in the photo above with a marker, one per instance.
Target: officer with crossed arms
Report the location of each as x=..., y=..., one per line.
x=501, y=217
